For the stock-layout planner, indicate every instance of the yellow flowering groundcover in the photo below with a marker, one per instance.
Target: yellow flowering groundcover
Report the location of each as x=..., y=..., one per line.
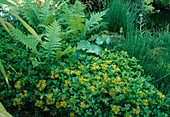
x=108, y=85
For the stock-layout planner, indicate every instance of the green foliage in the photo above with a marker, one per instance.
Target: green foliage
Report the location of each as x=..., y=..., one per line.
x=52, y=37
x=44, y=11
x=28, y=40
x=76, y=23
x=87, y=82
x=109, y=85
x=120, y=14
x=3, y=111
x=153, y=54
x=94, y=20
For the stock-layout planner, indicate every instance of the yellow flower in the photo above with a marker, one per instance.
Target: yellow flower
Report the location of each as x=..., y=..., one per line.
x=49, y=96
x=57, y=105
x=82, y=105
x=136, y=111
x=117, y=90
x=57, y=75
x=145, y=102
x=128, y=115
x=103, y=90
x=39, y=103
x=65, y=70
x=104, y=66
x=52, y=77
x=18, y=85
x=83, y=91
x=112, y=93
x=84, y=97
x=160, y=95
x=71, y=89
x=64, y=104
x=122, y=52
x=97, y=77
x=78, y=73
x=45, y=108
x=52, y=73
x=21, y=95
x=55, y=91
x=108, y=61
x=80, y=67
x=50, y=101
x=17, y=101
x=95, y=66
x=71, y=72
x=92, y=88
x=105, y=75
x=41, y=97
x=86, y=80
x=104, y=100
x=94, y=82
x=31, y=58
x=114, y=66
x=64, y=90
x=71, y=114
x=116, y=109
x=81, y=80
x=71, y=100
x=95, y=58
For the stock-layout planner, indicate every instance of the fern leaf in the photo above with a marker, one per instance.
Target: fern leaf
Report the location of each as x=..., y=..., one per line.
x=52, y=37
x=29, y=40
x=76, y=22
x=94, y=19
x=31, y=12
x=44, y=11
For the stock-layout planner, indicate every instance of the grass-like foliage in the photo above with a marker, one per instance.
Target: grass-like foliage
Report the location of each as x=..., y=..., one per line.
x=153, y=54
x=120, y=14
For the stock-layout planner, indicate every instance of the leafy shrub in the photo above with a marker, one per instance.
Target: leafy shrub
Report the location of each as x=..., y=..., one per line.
x=108, y=85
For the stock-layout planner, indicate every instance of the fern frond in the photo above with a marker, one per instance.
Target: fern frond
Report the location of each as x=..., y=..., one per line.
x=97, y=27
x=94, y=19
x=45, y=10
x=30, y=41
x=52, y=37
x=31, y=12
x=77, y=22
x=78, y=8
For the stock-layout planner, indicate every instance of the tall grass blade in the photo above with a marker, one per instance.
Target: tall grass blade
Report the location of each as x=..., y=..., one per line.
x=4, y=73
x=29, y=28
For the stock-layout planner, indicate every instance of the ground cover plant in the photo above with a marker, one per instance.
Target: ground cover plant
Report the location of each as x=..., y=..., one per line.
x=55, y=62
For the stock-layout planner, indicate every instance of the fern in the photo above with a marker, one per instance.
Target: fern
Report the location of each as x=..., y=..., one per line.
x=30, y=11
x=78, y=8
x=77, y=22
x=52, y=37
x=45, y=10
x=94, y=19
x=29, y=40
x=67, y=11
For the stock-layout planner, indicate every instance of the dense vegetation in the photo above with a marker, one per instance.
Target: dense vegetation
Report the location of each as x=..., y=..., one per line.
x=83, y=58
